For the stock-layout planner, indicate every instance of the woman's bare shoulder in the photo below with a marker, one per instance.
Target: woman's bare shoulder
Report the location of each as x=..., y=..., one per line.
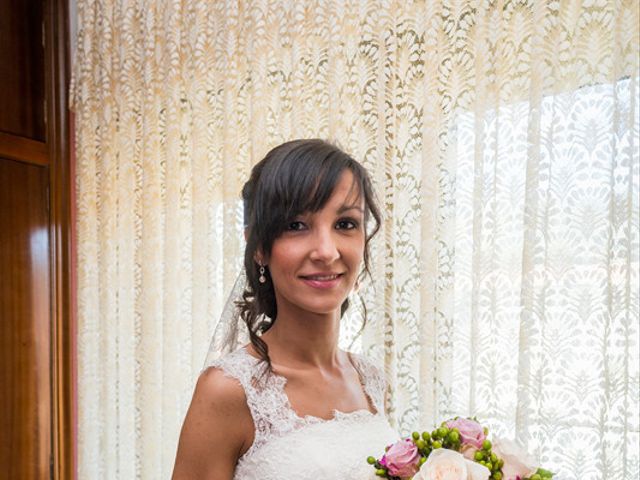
x=222, y=400
x=217, y=430
x=215, y=386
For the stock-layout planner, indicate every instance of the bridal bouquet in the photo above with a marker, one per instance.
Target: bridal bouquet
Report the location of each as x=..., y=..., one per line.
x=459, y=450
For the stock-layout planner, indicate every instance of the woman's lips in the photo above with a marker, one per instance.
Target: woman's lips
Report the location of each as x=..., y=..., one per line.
x=322, y=281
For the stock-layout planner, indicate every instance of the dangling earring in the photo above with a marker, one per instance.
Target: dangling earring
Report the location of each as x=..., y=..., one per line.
x=262, y=278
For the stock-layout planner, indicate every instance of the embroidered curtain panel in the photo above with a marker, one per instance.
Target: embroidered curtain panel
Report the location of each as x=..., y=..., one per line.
x=502, y=137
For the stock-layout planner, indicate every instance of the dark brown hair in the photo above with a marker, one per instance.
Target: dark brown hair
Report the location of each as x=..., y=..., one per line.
x=294, y=178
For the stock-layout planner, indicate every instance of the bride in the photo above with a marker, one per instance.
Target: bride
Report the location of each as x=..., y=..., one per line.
x=291, y=404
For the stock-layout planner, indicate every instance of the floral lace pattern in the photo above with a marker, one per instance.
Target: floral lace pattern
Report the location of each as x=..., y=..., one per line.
x=309, y=446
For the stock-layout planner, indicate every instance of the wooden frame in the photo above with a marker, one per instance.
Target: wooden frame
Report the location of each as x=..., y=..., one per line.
x=57, y=80
x=23, y=149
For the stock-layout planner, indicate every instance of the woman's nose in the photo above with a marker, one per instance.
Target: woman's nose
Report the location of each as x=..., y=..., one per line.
x=324, y=248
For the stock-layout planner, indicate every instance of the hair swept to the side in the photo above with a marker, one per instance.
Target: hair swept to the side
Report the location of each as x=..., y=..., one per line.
x=293, y=178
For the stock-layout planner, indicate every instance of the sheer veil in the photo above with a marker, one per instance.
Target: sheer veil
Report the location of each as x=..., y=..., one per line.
x=231, y=332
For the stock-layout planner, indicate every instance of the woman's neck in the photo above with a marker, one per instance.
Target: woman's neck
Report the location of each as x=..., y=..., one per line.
x=305, y=340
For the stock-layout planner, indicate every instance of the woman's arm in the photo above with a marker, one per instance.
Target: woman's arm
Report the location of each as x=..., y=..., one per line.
x=217, y=430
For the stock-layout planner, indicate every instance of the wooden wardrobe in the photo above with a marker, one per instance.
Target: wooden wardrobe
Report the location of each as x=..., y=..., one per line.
x=36, y=388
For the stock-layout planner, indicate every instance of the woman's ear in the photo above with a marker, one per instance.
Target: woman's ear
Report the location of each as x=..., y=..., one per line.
x=259, y=257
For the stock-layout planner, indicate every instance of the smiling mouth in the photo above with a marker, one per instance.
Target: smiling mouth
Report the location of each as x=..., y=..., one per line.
x=322, y=278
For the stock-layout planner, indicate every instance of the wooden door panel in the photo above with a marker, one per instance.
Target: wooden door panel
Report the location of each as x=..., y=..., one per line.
x=36, y=317
x=22, y=68
x=25, y=352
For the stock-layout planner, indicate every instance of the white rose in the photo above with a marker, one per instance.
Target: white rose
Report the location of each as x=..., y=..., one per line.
x=477, y=471
x=517, y=462
x=444, y=464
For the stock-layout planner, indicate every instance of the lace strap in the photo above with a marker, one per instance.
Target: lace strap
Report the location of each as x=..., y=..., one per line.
x=372, y=380
x=266, y=399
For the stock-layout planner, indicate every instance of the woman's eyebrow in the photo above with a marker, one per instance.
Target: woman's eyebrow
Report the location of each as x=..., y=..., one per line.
x=345, y=208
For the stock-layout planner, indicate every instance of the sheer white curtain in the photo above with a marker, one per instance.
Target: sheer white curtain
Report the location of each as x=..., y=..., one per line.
x=544, y=335
x=502, y=138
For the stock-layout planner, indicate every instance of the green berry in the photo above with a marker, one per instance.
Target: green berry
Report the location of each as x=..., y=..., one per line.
x=535, y=476
x=497, y=476
x=486, y=445
x=421, y=444
x=415, y=435
x=425, y=436
x=443, y=432
x=437, y=444
x=478, y=456
x=453, y=436
x=371, y=460
x=381, y=472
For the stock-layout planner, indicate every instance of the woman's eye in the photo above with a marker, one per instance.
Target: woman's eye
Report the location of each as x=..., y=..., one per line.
x=347, y=224
x=294, y=226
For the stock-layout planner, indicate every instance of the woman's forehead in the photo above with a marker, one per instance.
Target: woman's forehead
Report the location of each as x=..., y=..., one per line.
x=346, y=193
x=347, y=188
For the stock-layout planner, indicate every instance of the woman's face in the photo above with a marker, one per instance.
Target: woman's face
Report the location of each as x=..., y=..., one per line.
x=315, y=262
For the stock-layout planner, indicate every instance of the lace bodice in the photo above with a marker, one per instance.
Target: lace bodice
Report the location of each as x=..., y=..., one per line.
x=289, y=446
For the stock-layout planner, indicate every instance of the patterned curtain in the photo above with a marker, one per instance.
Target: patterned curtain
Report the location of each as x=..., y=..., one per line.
x=503, y=140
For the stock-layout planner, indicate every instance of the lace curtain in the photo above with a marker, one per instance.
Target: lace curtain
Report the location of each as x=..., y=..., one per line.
x=502, y=137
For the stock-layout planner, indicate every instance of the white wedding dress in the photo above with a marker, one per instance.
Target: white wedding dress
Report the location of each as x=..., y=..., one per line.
x=287, y=446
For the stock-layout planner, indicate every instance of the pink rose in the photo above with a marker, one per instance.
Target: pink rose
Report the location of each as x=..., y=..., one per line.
x=468, y=451
x=471, y=432
x=401, y=460
x=518, y=463
x=445, y=464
